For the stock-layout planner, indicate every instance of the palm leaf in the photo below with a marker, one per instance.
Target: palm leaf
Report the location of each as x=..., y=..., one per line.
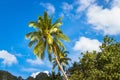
x=63, y=37
x=49, y=52
x=57, y=21
x=32, y=42
x=43, y=50
x=59, y=42
x=54, y=65
x=46, y=17
x=32, y=35
x=50, y=57
x=57, y=24
x=40, y=23
x=39, y=49
x=59, y=54
x=31, y=24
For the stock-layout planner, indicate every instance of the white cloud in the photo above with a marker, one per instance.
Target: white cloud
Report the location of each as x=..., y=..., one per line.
x=83, y=4
x=116, y=3
x=34, y=74
x=106, y=20
x=74, y=10
x=86, y=44
x=8, y=58
x=66, y=6
x=107, y=1
x=49, y=7
x=47, y=72
x=35, y=61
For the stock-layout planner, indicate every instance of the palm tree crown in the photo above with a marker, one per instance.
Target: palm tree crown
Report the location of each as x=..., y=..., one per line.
x=46, y=35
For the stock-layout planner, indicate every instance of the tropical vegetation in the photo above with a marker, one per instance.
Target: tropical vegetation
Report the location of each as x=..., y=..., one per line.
x=102, y=65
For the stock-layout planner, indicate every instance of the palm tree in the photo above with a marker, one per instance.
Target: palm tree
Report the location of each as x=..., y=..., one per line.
x=63, y=60
x=47, y=36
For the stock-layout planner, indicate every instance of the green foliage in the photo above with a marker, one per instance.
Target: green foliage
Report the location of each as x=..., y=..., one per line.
x=20, y=78
x=55, y=76
x=30, y=78
x=42, y=76
x=103, y=65
x=46, y=35
x=63, y=59
x=7, y=76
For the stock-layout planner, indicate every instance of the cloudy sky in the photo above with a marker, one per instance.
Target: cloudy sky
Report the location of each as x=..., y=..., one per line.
x=85, y=22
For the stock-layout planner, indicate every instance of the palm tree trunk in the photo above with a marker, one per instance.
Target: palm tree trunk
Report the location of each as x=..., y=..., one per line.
x=55, y=54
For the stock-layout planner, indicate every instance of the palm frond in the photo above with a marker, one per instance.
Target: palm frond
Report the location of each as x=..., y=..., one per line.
x=32, y=35
x=59, y=42
x=49, y=52
x=58, y=21
x=32, y=42
x=32, y=24
x=39, y=49
x=57, y=25
x=40, y=23
x=59, y=54
x=50, y=57
x=54, y=65
x=43, y=48
x=46, y=17
x=63, y=37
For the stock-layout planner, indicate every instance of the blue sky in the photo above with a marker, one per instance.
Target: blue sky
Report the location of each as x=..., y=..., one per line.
x=85, y=22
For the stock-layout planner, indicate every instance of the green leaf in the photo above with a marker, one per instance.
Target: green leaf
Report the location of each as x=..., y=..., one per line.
x=49, y=49
x=59, y=42
x=32, y=24
x=39, y=49
x=31, y=43
x=57, y=24
x=32, y=34
x=63, y=37
x=49, y=52
x=58, y=20
x=45, y=17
